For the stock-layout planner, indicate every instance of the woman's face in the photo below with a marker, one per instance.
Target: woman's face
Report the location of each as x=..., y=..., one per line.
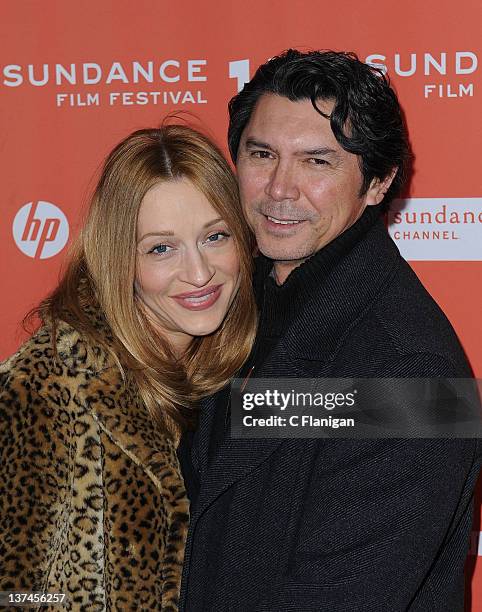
x=187, y=262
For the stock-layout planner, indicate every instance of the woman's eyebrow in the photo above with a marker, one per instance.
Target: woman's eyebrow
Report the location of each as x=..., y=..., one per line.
x=168, y=233
x=161, y=233
x=213, y=222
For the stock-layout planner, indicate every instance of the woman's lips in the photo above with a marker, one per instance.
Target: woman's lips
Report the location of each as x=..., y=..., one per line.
x=199, y=300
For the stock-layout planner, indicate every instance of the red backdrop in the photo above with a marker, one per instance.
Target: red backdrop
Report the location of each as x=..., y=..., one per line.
x=77, y=77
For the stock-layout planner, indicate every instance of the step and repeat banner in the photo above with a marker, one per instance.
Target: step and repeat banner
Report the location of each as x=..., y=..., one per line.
x=76, y=77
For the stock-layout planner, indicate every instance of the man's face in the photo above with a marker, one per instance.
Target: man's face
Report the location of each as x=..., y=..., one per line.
x=299, y=188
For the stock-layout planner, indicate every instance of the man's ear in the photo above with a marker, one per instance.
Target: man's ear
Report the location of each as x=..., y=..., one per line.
x=378, y=188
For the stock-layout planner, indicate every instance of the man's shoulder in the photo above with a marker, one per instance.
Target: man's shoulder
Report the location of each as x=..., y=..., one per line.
x=407, y=324
x=410, y=312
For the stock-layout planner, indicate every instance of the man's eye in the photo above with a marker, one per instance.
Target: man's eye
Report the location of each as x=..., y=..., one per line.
x=316, y=161
x=261, y=154
x=160, y=249
x=218, y=236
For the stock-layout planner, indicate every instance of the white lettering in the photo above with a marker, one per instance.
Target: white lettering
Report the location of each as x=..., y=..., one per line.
x=60, y=99
x=162, y=71
x=370, y=60
x=142, y=98
x=188, y=97
x=78, y=100
x=459, y=56
x=88, y=80
x=14, y=73
x=138, y=69
x=449, y=91
x=117, y=73
x=441, y=66
x=91, y=73
x=239, y=70
x=411, y=70
x=466, y=91
x=127, y=98
x=113, y=96
x=175, y=97
x=193, y=67
x=61, y=72
x=33, y=80
x=200, y=99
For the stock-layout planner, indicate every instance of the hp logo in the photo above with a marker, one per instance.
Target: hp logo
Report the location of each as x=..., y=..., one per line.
x=40, y=230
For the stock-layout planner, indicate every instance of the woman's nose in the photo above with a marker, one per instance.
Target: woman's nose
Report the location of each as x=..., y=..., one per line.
x=197, y=268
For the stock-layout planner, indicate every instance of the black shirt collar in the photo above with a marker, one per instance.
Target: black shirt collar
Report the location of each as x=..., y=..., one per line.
x=279, y=304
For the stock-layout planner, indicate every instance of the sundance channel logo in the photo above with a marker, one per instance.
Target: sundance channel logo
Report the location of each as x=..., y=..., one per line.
x=40, y=229
x=437, y=229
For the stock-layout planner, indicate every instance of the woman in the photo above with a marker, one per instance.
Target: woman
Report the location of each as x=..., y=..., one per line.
x=154, y=311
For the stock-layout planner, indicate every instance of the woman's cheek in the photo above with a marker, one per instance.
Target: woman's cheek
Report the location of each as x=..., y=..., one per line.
x=228, y=261
x=154, y=277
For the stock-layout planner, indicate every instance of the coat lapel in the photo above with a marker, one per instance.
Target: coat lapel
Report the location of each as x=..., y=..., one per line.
x=234, y=458
x=100, y=391
x=124, y=418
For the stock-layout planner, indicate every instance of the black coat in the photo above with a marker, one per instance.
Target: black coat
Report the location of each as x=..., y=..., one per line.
x=340, y=525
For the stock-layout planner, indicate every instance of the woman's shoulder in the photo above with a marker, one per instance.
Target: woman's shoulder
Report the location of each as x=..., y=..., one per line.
x=34, y=355
x=42, y=386
x=59, y=345
x=55, y=357
x=30, y=387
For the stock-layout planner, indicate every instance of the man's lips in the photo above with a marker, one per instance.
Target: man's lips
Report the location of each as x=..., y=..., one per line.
x=200, y=299
x=282, y=224
x=284, y=221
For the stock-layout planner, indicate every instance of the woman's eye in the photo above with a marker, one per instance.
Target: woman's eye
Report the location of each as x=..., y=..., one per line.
x=160, y=249
x=218, y=236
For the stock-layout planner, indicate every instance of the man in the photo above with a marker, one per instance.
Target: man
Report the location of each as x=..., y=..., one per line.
x=341, y=524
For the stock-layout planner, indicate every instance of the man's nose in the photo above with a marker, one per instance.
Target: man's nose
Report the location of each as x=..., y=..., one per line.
x=282, y=184
x=198, y=270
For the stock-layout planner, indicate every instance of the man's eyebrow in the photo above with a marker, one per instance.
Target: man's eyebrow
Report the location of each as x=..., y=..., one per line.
x=319, y=151
x=252, y=143
x=257, y=144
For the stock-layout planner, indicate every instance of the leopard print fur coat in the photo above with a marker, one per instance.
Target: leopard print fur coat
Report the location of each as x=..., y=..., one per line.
x=92, y=502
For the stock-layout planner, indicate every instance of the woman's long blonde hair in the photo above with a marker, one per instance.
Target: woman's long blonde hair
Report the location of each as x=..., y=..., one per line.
x=102, y=270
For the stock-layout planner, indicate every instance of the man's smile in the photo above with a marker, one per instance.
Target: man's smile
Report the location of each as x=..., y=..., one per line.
x=283, y=221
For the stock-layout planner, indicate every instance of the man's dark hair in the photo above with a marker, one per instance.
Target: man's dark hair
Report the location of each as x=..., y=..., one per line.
x=366, y=118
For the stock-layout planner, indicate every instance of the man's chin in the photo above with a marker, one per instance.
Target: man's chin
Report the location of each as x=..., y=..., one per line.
x=284, y=255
